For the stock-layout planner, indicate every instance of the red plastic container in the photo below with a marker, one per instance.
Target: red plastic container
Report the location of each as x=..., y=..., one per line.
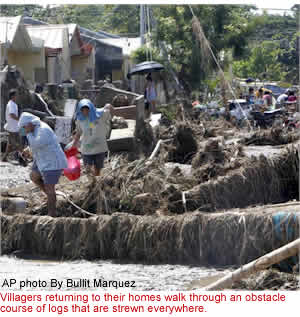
x=72, y=172
x=72, y=151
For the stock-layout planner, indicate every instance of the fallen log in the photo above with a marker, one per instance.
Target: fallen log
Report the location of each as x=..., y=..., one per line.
x=155, y=151
x=259, y=264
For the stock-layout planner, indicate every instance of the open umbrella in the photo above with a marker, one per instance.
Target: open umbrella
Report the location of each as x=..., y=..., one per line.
x=250, y=80
x=144, y=68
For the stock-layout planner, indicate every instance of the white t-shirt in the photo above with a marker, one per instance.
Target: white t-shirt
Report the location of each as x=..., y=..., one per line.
x=282, y=98
x=11, y=124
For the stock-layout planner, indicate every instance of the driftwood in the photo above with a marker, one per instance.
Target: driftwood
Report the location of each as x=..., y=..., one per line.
x=60, y=193
x=259, y=264
x=155, y=151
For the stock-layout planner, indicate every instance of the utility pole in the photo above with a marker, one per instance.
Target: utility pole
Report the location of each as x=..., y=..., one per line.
x=298, y=16
x=142, y=24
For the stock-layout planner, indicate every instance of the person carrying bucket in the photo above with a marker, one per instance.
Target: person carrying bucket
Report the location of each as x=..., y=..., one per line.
x=91, y=131
x=49, y=160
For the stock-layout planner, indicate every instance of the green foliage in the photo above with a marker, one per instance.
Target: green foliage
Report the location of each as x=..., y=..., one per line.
x=142, y=54
x=121, y=19
x=277, y=63
x=169, y=111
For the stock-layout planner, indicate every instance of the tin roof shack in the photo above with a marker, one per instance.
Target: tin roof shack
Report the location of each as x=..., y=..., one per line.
x=18, y=48
x=108, y=57
x=83, y=57
x=56, y=42
x=104, y=58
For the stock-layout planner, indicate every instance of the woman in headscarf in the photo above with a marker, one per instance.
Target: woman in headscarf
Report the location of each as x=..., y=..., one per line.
x=91, y=127
x=49, y=158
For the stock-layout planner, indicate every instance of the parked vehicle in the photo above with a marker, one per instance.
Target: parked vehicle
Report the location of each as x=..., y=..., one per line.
x=268, y=118
x=239, y=109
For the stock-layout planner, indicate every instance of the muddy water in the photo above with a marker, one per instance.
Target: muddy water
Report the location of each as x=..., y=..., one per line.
x=147, y=277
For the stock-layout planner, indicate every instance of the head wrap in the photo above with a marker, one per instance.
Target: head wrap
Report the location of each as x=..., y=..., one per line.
x=26, y=118
x=94, y=113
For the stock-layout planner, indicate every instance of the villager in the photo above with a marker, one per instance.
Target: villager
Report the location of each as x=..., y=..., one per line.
x=292, y=97
x=150, y=93
x=38, y=89
x=91, y=127
x=283, y=98
x=14, y=140
x=268, y=102
x=49, y=159
x=259, y=102
x=259, y=93
x=251, y=96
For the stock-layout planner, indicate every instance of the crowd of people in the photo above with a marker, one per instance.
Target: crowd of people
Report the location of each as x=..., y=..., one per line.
x=49, y=159
x=263, y=99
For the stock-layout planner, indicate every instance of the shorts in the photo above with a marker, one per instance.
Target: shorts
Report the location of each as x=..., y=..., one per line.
x=94, y=159
x=14, y=140
x=49, y=177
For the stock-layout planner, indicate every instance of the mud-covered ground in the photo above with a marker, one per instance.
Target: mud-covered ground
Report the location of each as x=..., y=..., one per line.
x=13, y=175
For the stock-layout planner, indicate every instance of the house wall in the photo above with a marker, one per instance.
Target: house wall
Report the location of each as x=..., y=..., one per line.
x=65, y=60
x=27, y=63
x=83, y=67
x=117, y=74
x=79, y=68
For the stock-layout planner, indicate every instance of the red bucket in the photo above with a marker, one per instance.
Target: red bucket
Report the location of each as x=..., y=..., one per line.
x=72, y=151
x=72, y=172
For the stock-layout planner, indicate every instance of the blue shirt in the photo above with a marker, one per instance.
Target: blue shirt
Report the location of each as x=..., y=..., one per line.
x=46, y=150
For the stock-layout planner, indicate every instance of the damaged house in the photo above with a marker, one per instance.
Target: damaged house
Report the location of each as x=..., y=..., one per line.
x=66, y=55
x=18, y=47
x=97, y=58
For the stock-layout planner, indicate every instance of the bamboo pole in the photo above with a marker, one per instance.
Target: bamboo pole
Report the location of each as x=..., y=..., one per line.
x=259, y=264
x=155, y=150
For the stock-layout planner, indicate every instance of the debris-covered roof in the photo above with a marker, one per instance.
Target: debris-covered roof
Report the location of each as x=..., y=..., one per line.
x=13, y=32
x=53, y=36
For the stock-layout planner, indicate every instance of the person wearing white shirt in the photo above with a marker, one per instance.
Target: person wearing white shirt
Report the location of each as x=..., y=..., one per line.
x=283, y=98
x=11, y=126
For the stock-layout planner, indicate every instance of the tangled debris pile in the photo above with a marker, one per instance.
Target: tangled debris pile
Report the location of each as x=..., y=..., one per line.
x=189, y=173
x=216, y=159
x=275, y=136
x=270, y=280
x=232, y=237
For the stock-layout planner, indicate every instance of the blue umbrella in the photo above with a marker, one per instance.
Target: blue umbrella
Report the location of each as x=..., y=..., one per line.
x=144, y=68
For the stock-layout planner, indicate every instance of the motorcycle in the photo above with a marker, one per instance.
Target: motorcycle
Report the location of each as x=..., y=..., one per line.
x=268, y=118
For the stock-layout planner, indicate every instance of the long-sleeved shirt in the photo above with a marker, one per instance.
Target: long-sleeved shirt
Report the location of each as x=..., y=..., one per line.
x=46, y=150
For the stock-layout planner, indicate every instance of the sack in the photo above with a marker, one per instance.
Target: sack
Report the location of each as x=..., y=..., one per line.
x=72, y=172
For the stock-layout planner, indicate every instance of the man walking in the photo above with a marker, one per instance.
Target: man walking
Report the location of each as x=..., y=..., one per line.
x=49, y=158
x=91, y=128
x=11, y=126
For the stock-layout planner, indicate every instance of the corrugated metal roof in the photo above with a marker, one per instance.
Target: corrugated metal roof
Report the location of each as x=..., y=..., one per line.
x=14, y=33
x=8, y=28
x=97, y=35
x=53, y=36
x=127, y=44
